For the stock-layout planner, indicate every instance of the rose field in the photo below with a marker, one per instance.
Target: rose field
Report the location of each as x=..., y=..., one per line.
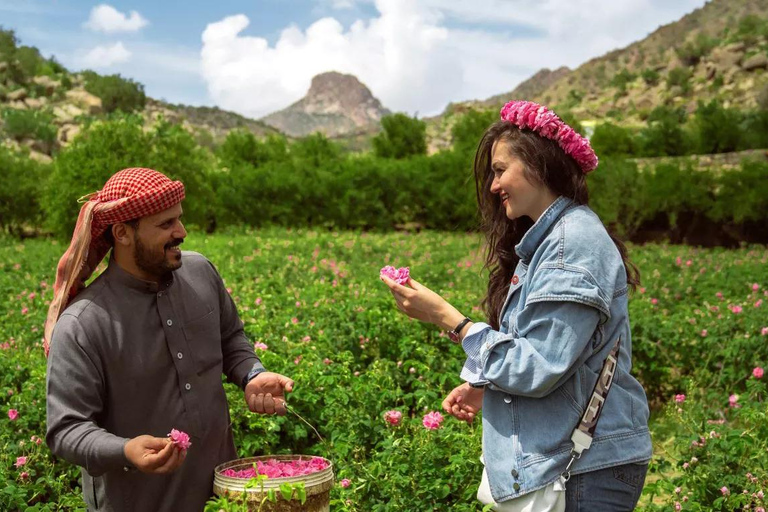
x=314, y=306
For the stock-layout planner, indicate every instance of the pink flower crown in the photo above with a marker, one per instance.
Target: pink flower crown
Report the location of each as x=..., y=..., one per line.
x=538, y=118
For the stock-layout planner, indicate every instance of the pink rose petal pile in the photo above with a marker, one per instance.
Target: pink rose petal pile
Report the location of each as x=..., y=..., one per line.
x=399, y=275
x=180, y=439
x=273, y=468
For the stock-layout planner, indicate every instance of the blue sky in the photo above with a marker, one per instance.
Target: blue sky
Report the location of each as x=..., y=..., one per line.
x=259, y=56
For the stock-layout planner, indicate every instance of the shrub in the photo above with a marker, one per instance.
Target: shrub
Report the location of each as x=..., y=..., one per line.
x=32, y=124
x=401, y=136
x=612, y=140
x=664, y=134
x=680, y=77
x=469, y=128
x=717, y=129
x=20, y=195
x=691, y=52
x=116, y=92
x=650, y=76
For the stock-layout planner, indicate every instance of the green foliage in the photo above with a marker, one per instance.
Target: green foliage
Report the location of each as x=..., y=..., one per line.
x=401, y=137
x=348, y=316
x=751, y=28
x=107, y=147
x=612, y=140
x=574, y=98
x=680, y=77
x=664, y=134
x=24, y=62
x=20, y=201
x=470, y=127
x=621, y=79
x=717, y=129
x=242, y=147
x=650, y=76
x=116, y=92
x=33, y=124
x=691, y=52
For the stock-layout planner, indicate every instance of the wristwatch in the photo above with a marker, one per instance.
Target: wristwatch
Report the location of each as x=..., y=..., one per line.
x=454, y=334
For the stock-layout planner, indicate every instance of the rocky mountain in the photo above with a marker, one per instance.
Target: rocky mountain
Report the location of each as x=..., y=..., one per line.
x=717, y=51
x=335, y=105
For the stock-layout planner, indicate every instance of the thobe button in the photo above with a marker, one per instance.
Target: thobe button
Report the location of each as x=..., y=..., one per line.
x=187, y=386
x=516, y=486
x=160, y=294
x=514, y=473
x=508, y=399
x=125, y=468
x=179, y=355
x=169, y=322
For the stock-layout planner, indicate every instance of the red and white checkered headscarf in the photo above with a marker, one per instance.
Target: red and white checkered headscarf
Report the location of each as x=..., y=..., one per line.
x=129, y=194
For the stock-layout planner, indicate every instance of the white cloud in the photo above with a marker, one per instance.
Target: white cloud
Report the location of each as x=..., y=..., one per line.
x=105, y=18
x=417, y=56
x=105, y=56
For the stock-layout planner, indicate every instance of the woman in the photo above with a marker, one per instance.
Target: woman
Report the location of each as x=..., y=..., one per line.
x=556, y=304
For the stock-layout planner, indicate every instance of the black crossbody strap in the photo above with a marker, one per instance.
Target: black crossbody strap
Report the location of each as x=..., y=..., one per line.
x=585, y=431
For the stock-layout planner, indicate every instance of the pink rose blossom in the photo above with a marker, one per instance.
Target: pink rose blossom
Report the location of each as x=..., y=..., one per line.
x=298, y=304
x=654, y=301
x=733, y=401
x=294, y=320
x=327, y=361
x=432, y=420
x=20, y=461
x=755, y=287
x=257, y=301
x=758, y=303
x=678, y=490
x=345, y=483
x=273, y=468
x=678, y=506
x=180, y=439
x=686, y=465
x=764, y=331
x=736, y=309
x=24, y=475
x=719, y=295
x=680, y=398
x=400, y=275
x=725, y=491
x=393, y=417
x=757, y=372
x=260, y=346
x=703, y=333
x=13, y=414
x=24, y=311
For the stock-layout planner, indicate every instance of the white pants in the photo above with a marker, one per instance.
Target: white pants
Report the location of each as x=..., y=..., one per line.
x=546, y=499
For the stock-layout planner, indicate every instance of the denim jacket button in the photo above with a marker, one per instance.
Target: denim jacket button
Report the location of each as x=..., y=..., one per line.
x=516, y=486
x=508, y=399
x=515, y=279
x=514, y=473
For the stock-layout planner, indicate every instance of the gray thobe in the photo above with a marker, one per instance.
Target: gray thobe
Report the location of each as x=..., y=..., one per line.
x=130, y=357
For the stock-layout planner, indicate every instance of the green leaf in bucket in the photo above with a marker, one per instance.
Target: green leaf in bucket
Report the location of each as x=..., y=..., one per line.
x=302, y=492
x=287, y=491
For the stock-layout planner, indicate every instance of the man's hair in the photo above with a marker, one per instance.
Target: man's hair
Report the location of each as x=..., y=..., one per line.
x=134, y=223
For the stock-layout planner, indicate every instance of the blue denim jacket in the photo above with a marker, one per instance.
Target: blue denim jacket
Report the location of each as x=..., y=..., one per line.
x=566, y=306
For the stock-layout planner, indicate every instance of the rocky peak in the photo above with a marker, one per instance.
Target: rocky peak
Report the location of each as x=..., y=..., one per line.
x=336, y=104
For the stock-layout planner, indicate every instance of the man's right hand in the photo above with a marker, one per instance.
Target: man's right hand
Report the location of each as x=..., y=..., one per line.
x=154, y=455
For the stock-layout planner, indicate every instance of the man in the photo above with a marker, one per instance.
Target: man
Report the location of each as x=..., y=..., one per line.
x=141, y=351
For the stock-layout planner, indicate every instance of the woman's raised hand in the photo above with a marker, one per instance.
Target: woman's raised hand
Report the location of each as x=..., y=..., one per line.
x=421, y=303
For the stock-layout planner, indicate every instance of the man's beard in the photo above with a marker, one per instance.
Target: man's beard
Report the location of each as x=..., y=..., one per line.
x=154, y=264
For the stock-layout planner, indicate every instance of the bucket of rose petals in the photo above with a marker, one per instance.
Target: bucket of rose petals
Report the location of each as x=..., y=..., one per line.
x=278, y=482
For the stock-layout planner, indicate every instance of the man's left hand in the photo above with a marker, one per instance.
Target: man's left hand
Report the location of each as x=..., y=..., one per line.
x=265, y=393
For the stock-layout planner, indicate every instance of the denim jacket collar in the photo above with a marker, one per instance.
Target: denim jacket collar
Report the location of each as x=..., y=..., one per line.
x=533, y=237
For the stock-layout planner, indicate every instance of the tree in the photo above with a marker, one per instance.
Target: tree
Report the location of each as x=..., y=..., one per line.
x=470, y=127
x=116, y=92
x=612, y=140
x=401, y=136
x=717, y=128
